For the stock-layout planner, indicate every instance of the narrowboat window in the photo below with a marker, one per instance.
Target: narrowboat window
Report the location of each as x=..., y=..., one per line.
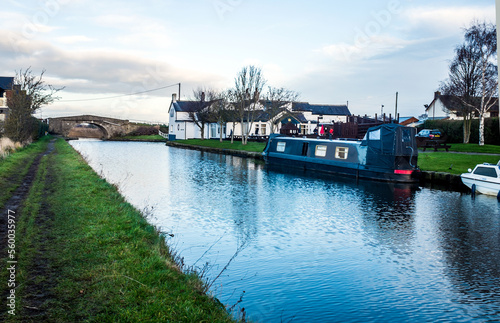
x=320, y=151
x=374, y=135
x=406, y=135
x=341, y=152
x=281, y=146
x=485, y=171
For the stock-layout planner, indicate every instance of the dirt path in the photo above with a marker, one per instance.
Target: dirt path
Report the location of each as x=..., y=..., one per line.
x=37, y=287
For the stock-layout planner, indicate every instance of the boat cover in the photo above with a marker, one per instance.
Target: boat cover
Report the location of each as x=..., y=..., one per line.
x=388, y=140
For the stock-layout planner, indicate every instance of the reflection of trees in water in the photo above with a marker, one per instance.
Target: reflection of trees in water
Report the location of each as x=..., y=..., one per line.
x=470, y=239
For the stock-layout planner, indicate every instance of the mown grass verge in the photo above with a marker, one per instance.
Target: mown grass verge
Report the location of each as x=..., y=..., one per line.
x=475, y=148
x=452, y=163
x=98, y=255
x=225, y=144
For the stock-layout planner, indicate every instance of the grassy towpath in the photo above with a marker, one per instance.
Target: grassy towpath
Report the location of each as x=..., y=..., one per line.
x=79, y=252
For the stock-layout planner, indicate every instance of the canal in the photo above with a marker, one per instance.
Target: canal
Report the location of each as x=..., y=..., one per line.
x=294, y=247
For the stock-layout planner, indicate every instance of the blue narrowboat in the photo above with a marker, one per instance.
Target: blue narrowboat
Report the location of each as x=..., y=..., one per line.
x=388, y=152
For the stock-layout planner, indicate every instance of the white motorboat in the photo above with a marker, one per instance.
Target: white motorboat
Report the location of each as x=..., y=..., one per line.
x=484, y=179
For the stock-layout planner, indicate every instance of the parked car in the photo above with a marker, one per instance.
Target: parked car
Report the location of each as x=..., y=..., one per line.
x=430, y=134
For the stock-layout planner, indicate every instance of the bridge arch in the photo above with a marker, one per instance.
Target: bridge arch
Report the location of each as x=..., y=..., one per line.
x=89, y=130
x=110, y=127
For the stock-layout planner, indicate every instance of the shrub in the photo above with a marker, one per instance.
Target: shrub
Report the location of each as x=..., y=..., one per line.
x=145, y=131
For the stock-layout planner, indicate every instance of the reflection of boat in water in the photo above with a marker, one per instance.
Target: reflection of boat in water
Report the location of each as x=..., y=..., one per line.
x=387, y=152
x=485, y=179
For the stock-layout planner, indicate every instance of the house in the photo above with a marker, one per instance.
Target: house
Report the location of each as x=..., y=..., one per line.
x=5, y=87
x=183, y=116
x=294, y=118
x=448, y=107
x=311, y=115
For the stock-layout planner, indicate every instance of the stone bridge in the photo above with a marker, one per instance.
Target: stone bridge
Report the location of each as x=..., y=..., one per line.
x=109, y=126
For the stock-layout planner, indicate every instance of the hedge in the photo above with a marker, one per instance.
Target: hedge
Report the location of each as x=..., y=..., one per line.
x=453, y=129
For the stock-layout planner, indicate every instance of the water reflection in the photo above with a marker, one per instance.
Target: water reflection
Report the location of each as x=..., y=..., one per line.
x=316, y=248
x=470, y=242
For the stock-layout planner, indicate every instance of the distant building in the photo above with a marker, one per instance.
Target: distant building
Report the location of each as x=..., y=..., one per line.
x=5, y=87
x=449, y=107
x=409, y=121
x=293, y=118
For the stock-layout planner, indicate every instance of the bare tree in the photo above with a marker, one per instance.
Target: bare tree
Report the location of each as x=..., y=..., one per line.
x=248, y=86
x=199, y=109
x=28, y=94
x=462, y=85
x=483, y=38
x=275, y=102
x=472, y=79
x=221, y=111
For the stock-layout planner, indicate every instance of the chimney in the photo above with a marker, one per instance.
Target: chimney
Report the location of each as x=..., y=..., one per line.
x=437, y=94
x=174, y=97
x=256, y=96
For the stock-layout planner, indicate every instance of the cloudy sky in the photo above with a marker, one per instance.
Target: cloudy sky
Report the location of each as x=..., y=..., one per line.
x=331, y=52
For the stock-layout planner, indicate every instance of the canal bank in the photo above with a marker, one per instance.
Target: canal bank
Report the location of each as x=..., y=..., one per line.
x=83, y=253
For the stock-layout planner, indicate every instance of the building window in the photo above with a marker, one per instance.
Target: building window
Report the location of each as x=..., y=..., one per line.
x=341, y=152
x=320, y=151
x=281, y=147
x=213, y=130
x=263, y=129
x=303, y=129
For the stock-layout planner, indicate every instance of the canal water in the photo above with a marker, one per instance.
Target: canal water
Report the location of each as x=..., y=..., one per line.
x=292, y=247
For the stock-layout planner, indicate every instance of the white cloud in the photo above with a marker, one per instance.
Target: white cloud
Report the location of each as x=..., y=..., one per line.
x=69, y=40
x=446, y=20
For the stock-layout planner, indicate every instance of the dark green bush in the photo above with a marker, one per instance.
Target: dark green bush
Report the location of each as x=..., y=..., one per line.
x=453, y=129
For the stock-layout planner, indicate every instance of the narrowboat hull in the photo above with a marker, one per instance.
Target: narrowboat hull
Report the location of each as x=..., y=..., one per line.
x=367, y=159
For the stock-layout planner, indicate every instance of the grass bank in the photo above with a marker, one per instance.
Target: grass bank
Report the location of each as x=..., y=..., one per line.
x=452, y=163
x=140, y=138
x=225, y=144
x=92, y=256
